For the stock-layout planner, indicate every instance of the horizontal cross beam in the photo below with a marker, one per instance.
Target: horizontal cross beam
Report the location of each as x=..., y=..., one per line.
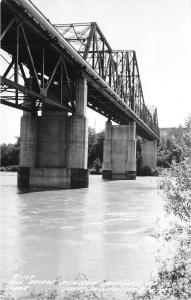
x=5, y=81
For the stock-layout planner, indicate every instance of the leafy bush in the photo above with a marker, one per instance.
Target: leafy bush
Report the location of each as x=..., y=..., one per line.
x=176, y=187
x=175, y=146
x=174, y=277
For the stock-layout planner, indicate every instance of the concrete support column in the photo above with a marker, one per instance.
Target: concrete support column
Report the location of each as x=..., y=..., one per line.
x=52, y=140
x=107, y=168
x=119, y=160
x=78, y=138
x=54, y=146
x=28, y=148
x=81, y=97
x=149, y=154
x=131, y=151
x=51, y=162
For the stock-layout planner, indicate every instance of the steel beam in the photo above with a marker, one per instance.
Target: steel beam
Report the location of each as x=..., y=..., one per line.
x=5, y=81
x=121, y=82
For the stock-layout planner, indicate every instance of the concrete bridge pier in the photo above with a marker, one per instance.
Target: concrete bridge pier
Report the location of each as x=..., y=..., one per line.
x=28, y=148
x=119, y=157
x=149, y=154
x=54, y=147
x=107, y=159
x=78, y=138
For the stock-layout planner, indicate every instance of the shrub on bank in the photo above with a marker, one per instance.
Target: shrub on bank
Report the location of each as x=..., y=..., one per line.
x=173, y=280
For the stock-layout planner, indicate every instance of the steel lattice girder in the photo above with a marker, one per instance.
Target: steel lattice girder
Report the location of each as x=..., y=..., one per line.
x=119, y=68
x=54, y=66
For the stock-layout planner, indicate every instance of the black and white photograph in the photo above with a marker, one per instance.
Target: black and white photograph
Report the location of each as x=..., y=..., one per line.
x=95, y=138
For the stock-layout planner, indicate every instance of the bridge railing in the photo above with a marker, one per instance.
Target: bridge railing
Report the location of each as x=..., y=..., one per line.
x=119, y=68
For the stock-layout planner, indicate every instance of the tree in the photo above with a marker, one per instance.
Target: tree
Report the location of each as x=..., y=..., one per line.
x=173, y=279
x=188, y=121
x=10, y=153
x=175, y=146
x=95, y=148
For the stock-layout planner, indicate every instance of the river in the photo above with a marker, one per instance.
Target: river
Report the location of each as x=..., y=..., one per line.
x=100, y=231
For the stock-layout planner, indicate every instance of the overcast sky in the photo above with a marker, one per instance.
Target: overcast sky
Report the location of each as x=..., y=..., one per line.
x=160, y=33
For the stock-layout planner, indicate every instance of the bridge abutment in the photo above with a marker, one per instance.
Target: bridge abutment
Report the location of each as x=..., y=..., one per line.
x=149, y=154
x=119, y=158
x=54, y=147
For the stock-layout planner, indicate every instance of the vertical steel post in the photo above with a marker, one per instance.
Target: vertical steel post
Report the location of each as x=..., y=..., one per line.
x=110, y=59
x=43, y=58
x=103, y=59
x=129, y=77
x=61, y=83
x=93, y=60
x=17, y=63
x=122, y=69
x=133, y=81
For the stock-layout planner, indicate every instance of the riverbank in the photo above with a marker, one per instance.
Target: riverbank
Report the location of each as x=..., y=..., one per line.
x=9, y=168
x=79, y=290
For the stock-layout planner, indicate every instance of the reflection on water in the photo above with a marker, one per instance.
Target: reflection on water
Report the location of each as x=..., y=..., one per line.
x=100, y=231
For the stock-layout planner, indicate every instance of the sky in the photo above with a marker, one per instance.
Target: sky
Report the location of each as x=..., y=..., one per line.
x=160, y=33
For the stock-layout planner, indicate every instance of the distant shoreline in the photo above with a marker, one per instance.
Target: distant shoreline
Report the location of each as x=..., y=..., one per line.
x=9, y=168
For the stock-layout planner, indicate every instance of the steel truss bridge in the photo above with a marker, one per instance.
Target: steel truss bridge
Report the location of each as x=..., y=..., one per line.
x=45, y=60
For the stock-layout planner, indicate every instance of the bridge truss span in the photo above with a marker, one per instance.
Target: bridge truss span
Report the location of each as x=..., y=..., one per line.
x=44, y=61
